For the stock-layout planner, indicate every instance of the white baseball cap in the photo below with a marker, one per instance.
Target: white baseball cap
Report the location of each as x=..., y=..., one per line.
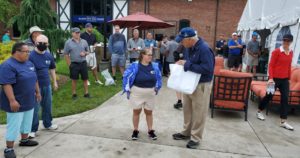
x=35, y=29
x=234, y=34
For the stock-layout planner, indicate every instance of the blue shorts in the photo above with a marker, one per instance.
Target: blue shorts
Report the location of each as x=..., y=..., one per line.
x=118, y=60
x=18, y=123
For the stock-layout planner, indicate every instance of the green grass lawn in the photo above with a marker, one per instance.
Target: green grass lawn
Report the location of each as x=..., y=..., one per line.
x=63, y=105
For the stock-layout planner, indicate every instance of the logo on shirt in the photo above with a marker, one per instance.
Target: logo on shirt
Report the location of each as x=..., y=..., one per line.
x=47, y=62
x=31, y=68
x=152, y=72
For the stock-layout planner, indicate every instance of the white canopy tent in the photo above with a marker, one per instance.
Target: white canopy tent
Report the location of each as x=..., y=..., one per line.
x=272, y=19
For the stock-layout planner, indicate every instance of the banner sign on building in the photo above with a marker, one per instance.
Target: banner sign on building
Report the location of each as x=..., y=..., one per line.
x=89, y=19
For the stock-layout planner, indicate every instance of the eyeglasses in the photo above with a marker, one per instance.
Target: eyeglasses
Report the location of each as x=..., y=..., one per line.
x=45, y=43
x=150, y=55
x=27, y=51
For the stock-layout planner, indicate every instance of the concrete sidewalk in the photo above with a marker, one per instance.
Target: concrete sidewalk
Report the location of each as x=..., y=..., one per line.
x=105, y=132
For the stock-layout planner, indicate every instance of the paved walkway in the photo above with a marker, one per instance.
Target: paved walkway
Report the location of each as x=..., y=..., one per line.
x=105, y=133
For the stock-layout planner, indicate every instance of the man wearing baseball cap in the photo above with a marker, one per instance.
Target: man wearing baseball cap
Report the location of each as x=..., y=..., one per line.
x=253, y=53
x=200, y=59
x=90, y=37
x=34, y=32
x=235, y=47
x=76, y=50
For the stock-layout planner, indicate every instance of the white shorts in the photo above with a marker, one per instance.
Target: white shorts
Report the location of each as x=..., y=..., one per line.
x=142, y=98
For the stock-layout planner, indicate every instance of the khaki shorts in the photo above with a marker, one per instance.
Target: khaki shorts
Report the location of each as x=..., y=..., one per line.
x=142, y=98
x=251, y=61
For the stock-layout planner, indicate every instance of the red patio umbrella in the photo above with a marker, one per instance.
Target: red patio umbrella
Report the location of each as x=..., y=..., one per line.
x=141, y=21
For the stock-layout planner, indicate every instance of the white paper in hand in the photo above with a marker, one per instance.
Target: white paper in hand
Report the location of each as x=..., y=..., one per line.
x=181, y=81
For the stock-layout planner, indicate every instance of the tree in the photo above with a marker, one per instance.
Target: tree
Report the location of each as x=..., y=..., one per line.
x=7, y=10
x=39, y=13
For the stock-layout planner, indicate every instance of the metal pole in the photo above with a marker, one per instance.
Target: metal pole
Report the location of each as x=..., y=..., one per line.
x=105, y=28
x=216, y=24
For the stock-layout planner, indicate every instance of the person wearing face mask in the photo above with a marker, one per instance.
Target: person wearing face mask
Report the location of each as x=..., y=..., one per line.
x=43, y=62
x=117, y=47
x=34, y=32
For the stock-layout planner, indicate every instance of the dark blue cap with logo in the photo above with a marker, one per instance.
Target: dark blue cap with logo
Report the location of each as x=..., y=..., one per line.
x=288, y=37
x=88, y=25
x=185, y=33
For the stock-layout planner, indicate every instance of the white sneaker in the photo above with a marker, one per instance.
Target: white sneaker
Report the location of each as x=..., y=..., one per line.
x=89, y=83
x=260, y=116
x=286, y=126
x=53, y=127
x=31, y=135
x=99, y=82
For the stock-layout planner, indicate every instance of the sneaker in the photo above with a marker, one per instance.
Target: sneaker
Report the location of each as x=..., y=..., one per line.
x=89, y=83
x=52, y=127
x=87, y=95
x=31, y=135
x=286, y=126
x=260, y=116
x=178, y=105
x=135, y=135
x=99, y=82
x=74, y=96
x=28, y=142
x=192, y=145
x=179, y=136
x=9, y=153
x=152, y=135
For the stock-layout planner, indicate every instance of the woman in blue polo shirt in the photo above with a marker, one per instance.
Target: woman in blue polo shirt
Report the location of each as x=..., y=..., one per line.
x=19, y=91
x=141, y=82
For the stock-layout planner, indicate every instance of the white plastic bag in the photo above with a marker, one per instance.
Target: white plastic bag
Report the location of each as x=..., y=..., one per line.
x=108, y=79
x=91, y=60
x=181, y=81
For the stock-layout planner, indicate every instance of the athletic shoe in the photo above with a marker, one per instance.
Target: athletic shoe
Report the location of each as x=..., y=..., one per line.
x=178, y=105
x=99, y=82
x=28, y=142
x=152, y=135
x=31, y=135
x=9, y=153
x=52, y=127
x=192, y=145
x=179, y=136
x=286, y=126
x=260, y=116
x=135, y=135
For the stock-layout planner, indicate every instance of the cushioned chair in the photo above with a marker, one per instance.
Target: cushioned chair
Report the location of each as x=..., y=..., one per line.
x=219, y=65
x=258, y=88
x=231, y=91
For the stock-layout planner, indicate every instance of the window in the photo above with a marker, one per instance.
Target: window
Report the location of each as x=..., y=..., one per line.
x=184, y=23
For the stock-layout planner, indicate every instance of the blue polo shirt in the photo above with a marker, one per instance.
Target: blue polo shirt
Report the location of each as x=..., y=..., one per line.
x=22, y=77
x=200, y=59
x=234, y=51
x=42, y=63
x=145, y=77
x=149, y=42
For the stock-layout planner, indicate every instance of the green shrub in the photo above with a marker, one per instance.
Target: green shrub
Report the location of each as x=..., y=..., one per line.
x=5, y=50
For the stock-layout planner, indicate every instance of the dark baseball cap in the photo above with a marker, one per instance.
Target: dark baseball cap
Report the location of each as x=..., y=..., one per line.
x=185, y=33
x=75, y=29
x=87, y=25
x=288, y=37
